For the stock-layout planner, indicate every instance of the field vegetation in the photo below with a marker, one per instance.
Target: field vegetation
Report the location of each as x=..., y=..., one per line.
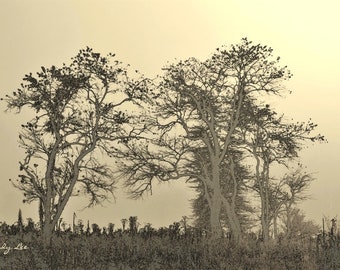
x=164, y=248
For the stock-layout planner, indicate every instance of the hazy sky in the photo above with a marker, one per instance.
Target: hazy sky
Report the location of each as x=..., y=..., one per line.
x=147, y=34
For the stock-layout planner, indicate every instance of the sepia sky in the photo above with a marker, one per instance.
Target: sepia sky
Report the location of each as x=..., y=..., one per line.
x=148, y=33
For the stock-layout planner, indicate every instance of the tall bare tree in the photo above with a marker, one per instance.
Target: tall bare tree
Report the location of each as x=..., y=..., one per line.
x=79, y=113
x=199, y=106
x=270, y=139
x=296, y=184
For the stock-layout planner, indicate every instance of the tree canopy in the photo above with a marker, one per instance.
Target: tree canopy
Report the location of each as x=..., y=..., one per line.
x=206, y=105
x=79, y=113
x=200, y=121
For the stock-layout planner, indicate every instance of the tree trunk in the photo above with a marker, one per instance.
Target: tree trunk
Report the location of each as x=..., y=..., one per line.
x=288, y=222
x=264, y=216
x=275, y=232
x=217, y=201
x=261, y=179
x=233, y=221
x=47, y=232
x=265, y=229
x=215, y=213
x=41, y=214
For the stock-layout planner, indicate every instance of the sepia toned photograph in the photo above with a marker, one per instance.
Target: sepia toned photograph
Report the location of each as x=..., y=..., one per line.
x=171, y=135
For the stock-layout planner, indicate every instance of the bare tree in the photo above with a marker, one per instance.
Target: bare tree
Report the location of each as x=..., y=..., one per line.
x=79, y=113
x=299, y=226
x=276, y=202
x=296, y=184
x=270, y=139
x=199, y=106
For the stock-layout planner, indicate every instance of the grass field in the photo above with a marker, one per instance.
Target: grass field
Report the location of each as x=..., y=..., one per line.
x=161, y=250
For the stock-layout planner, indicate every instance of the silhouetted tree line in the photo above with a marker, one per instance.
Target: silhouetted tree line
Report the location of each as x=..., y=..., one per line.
x=205, y=122
x=175, y=230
